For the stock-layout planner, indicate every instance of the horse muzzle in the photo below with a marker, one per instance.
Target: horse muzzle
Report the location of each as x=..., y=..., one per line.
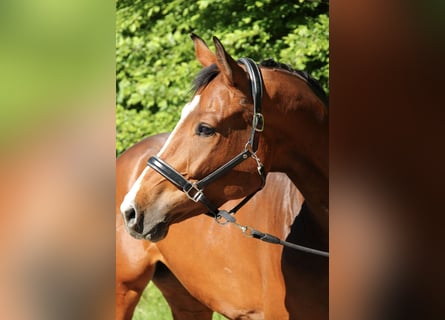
x=139, y=228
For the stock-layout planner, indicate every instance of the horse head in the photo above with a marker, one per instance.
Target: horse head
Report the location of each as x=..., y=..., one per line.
x=221, y=148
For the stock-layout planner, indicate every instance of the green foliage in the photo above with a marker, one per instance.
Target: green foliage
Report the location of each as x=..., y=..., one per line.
x=132, y=125
x=155, y=61
x=307, y=48
x=152, y=306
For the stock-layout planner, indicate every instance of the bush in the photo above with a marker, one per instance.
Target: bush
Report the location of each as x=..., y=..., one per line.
x=155, y=61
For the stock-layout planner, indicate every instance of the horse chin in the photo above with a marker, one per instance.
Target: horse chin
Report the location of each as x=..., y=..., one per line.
x=157, y=233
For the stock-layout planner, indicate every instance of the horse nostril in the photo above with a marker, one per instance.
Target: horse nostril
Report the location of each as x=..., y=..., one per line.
x=139, y=226
x=130, y=216
x=133, y=220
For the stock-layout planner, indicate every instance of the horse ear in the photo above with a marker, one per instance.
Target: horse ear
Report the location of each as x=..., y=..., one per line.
x=202, y=51
x=233, y=73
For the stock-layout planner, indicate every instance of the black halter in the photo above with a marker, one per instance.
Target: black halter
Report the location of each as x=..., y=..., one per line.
x=194, y=190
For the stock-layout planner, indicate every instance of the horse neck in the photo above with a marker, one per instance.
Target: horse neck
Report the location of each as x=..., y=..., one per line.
x=297, y=127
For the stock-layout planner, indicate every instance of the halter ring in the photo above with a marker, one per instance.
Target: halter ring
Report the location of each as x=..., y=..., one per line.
x=227, y=216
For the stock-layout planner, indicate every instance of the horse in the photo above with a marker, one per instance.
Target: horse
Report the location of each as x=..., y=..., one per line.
x=201, y=154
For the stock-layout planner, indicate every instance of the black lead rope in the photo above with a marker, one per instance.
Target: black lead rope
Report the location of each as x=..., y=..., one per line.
x=272, y=239
x=267, y=237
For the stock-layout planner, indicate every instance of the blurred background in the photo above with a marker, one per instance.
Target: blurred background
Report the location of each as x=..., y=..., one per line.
x=58, y=82
x=57, y=133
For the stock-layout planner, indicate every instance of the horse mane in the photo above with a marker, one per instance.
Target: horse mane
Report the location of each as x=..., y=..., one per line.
x=304, y=75
x=207, y=74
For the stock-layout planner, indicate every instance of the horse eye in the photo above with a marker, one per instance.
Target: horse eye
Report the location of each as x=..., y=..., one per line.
x=204, y=130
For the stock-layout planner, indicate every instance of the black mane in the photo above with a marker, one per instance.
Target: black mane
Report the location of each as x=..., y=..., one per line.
x=313, y=84
x=206, y=75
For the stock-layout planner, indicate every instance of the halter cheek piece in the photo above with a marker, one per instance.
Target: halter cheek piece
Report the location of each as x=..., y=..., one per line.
x=194, y=190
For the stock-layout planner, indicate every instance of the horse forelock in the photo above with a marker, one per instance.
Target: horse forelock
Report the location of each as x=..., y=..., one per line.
x=204, y=77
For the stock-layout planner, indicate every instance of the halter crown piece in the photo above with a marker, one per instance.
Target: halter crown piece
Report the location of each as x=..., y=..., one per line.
x=195, y=190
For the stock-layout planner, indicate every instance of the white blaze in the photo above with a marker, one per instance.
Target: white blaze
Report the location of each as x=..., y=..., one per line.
x=131, y=195
x=188, y=108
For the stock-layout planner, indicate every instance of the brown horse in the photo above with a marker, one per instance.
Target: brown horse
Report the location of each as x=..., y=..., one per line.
x=214, y=127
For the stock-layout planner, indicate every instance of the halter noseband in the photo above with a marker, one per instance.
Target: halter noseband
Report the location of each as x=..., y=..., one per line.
x=194, y=190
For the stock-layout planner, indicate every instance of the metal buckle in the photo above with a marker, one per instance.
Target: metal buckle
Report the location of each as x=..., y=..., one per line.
x=258, y=122
x=197, y=193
